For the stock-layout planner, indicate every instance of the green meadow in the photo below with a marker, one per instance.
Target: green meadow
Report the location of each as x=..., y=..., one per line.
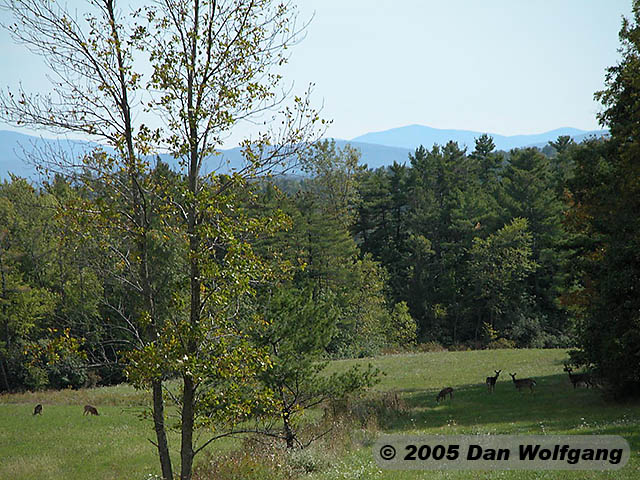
x=554, y=408
x=64, y=444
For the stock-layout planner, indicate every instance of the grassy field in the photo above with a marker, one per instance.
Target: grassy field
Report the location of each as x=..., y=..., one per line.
x=62, y=444
x=554, y=408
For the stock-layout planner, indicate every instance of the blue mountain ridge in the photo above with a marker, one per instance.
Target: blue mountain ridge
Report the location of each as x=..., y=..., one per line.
x=412, y=136
x=17, y=149
x=377, y=149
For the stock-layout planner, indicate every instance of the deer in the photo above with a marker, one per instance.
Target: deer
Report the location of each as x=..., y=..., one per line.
x=443, y=394
x=523, y=382
x=578, y=378
x=89, y=409
x=491, y=381
x=37, y=410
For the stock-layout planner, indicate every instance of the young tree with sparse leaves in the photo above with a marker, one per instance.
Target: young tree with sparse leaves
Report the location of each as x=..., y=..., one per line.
x=300, y=325
x=93, y=94
x=212, y=66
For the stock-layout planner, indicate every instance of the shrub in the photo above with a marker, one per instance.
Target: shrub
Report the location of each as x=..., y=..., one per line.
x=347, y=424
x=35, y=377
x=401, y=329
x=368, y=411
x=68, y=372
x=501, y=343
x=308, y=460
x=431, y=346
x=241, y=465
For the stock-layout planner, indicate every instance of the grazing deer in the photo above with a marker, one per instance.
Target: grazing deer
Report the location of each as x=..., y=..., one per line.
x=578, y=378
x=523, y=382
x=37, y=410
x=443, y=394
x=491, y=381
x=88, y=409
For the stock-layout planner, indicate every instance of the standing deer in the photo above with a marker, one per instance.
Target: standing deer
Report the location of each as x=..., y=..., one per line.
x=491, y=381
x=89, y=409
x=443, y=394
x=37, y=410
x=578, y=378
x=523, y=382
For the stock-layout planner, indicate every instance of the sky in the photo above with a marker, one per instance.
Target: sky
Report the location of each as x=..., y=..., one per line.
x=501, y=66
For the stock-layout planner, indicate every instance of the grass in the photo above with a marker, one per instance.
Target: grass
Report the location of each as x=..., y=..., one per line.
x=63, y=444
x=554, y=408
x=119, y=395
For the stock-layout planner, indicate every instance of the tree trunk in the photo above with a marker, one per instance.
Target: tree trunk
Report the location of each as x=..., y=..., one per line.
x=5, y=380
x=288, y=432
x=188, y=387
x=161, y=433
x=478, y=322
x=186, y=450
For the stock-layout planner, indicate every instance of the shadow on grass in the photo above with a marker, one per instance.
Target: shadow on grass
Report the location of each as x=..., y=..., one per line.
x=554, y=407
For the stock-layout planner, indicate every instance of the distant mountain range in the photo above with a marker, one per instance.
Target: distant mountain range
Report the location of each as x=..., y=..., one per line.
x=15, y=149
x=412, y=136
x=373, y=155
x=377, y=148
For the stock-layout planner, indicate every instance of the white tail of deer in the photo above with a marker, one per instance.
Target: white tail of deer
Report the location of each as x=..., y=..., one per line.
x=491, y=381
x=523, y=382
x=578, y=378
x=443, y=394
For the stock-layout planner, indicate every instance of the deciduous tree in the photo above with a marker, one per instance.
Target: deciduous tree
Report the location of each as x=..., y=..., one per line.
x=211, y=65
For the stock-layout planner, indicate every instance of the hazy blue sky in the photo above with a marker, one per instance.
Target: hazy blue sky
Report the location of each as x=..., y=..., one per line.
x=503, y=66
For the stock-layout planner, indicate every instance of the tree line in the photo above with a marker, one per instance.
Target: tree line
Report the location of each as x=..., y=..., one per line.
x=67, y=303
x=474, y=243
x=465, y=250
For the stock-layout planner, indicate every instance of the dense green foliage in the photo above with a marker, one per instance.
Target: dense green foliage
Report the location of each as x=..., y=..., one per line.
x=473, y=243
x=605, y=199
x=453, y=248
x=49, y=297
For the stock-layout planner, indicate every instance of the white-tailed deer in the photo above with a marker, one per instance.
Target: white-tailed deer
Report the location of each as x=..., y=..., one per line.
x=523, y=382
x=37, y=410
x=89, y=409
x=443, y=394
x=491, y=381
x=578, y=378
